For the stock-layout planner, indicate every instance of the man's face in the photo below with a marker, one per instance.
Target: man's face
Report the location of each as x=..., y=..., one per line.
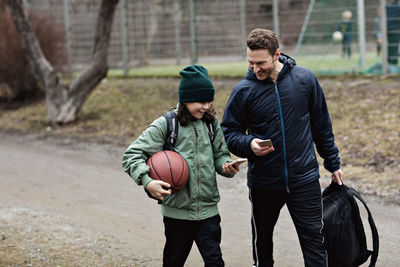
x=261, y=62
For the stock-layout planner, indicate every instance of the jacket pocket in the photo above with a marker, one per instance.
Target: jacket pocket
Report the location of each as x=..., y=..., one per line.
x=180, y=199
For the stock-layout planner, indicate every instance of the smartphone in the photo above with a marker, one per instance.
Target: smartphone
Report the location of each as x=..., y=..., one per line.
x=265, y=142
x=239, y=161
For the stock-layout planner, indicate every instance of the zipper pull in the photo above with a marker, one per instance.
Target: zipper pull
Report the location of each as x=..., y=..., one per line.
x=195, y=131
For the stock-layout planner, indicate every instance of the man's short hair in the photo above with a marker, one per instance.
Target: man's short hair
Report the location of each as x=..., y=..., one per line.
x=263, y=39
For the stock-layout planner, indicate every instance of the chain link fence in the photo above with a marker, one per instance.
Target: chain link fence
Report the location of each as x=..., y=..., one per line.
x=154, y=32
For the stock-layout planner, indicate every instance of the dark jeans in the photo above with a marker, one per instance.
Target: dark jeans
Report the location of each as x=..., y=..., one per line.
x=180, y=235
x=346, y=48
x=305, y=207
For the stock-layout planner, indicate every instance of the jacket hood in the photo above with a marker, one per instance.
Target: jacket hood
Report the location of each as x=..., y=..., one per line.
x=288, y=64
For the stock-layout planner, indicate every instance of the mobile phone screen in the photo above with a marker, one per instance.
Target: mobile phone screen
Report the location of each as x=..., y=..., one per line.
x=239, y=161
x=265, y=142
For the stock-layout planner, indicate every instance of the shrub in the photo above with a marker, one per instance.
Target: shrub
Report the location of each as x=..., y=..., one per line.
x=16, y=79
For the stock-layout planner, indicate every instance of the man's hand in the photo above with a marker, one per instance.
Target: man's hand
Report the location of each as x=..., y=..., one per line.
x=337, y=176
x=230, y=168
x=156, y=189
x=260, y=150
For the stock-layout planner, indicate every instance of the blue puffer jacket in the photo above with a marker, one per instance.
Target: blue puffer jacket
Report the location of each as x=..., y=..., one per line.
x=292, y=113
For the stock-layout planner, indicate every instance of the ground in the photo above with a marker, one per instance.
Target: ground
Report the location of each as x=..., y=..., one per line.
x=65, y=200
x=67, y=203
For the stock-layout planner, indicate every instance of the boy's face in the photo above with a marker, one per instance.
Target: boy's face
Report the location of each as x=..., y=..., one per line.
x=197, y=109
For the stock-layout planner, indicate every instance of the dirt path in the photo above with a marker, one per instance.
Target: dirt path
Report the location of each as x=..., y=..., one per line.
x=70, y=204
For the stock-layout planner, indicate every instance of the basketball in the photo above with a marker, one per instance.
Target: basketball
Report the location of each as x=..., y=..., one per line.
x=170, y=167
x=337, y=36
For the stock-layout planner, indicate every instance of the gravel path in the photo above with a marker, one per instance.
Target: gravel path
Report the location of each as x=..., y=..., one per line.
x=65, y=203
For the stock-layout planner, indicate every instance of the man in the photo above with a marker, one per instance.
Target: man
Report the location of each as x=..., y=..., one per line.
x=281, y=101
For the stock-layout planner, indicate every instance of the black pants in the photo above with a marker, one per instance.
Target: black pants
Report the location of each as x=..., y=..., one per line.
x=305, y=207
x=180, y=235
x=346, y=48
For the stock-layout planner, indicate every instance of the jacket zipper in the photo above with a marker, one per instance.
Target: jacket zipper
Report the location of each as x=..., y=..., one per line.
x=198, y=177
x=283, y=137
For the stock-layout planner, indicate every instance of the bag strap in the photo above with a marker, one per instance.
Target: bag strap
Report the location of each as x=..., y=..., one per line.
x=173, y=127
x=172, y=134
x=172, y=130
x=375, y=235
x=211, y=131
x=150, y=196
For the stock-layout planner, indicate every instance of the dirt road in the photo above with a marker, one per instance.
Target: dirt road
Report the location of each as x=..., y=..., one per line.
x=70, y=204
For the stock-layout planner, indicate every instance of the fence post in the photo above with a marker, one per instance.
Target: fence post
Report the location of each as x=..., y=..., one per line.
x=124, y=37
x=304, y=27
x=193, y=32
x=242, y=4
x=384, y=37
x=67, y=26
x=275, y=10
x=177, y=14
x=361, y=31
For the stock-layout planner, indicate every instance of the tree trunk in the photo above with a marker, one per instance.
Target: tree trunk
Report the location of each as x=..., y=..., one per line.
x=63, y=104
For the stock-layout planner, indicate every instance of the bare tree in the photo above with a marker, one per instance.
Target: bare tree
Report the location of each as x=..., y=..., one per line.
x=63, y=104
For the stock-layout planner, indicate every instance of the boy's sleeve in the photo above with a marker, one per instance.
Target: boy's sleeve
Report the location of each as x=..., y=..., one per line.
x=148, y=143
x=220, y=150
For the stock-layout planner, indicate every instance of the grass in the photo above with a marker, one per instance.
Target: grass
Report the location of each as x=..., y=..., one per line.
x=227, y=70
x=365, y=116
x=334, y=64
x=366, y=120
x=319, y=64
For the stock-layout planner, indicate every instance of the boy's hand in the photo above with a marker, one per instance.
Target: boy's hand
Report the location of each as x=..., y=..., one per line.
x=230, y=168
x=156, y=189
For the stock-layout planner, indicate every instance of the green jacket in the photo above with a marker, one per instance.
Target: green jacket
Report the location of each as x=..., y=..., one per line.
x=198, y=199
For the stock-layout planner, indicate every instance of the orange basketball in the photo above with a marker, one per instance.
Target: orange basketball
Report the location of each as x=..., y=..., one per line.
x=169, y=167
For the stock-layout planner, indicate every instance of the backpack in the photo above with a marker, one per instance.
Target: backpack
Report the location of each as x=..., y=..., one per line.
x=172, y=135
x=173, y=127
x=345, y=240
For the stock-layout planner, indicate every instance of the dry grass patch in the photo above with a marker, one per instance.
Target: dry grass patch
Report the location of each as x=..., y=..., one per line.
x=365, y=116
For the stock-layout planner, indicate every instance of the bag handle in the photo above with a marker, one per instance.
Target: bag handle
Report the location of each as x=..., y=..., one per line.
x=375, y=235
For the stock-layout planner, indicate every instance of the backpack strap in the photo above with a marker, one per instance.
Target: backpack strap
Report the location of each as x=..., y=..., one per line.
x=173, y=127
x=172, y=134
x=172, y=130
x=375, y=236
x=211, y=131
x=150, y=196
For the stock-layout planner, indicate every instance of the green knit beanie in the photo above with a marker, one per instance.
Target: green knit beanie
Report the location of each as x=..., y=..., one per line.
x=195, y=85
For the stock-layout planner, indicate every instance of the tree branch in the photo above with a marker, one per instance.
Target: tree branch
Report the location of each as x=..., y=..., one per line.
x=99, y=66
x=63, y=105
x=37, y=60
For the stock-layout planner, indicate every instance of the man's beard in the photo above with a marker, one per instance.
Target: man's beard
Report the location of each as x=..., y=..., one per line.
x=266, y=73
